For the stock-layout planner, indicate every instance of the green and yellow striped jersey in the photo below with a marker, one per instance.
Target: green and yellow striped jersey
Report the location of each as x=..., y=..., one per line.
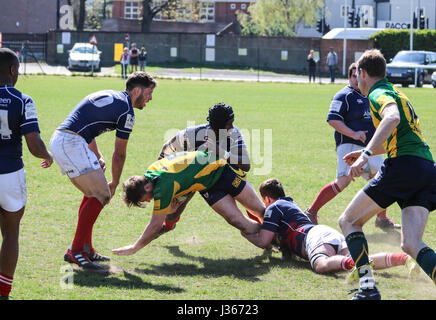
x=182, y=173
x=407, y=138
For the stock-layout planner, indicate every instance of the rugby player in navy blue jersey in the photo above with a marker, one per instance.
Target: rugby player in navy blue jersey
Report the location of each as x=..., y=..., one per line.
x=349, y=115
x=76, y=152
x=18, y=118
x=323, y=246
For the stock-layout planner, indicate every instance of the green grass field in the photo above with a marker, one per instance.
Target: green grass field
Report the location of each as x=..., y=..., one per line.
x=204, y=258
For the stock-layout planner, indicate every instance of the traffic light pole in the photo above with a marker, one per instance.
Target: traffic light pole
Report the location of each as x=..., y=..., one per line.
x=411, y=25
x=345, y=38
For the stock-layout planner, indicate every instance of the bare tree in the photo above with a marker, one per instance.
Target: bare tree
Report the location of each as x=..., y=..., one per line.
x=149, y=11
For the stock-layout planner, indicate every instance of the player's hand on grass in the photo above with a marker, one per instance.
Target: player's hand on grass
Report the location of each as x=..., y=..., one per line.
x=125, y=251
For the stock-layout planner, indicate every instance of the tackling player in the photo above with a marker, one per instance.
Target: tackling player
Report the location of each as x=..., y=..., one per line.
x=170, y=180
x=350, y=117
x=408, y=175
x=76, y=152
x=323, y=246
x=220, y=136
x=18, y=118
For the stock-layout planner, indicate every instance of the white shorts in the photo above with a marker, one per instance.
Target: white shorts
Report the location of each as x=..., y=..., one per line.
x=369, y=169
x=71, y=153
x=13, y=190
x=322, y=234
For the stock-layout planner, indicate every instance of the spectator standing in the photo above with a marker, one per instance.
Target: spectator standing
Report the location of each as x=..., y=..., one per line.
x=124, y=60
x=332, y=61
x=134, y=53
x=142, y=59
x=312, y=65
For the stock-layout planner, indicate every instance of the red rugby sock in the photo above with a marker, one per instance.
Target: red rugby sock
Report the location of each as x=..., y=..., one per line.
x=89, y=210
x=395, y=259
x=327, y=193
x=5, y=285
x=347, y=263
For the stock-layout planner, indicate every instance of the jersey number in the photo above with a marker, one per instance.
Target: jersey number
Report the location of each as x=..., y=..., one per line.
x=5, y=132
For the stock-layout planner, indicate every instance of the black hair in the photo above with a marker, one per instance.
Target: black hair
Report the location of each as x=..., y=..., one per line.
x=219, y=114
x=8, y=58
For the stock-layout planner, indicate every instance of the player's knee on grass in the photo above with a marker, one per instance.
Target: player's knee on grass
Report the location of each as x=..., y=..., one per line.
x=319, y=262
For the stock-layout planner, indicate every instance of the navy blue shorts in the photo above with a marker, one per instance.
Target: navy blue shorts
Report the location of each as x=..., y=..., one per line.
x=407, y=180
x=231, y=182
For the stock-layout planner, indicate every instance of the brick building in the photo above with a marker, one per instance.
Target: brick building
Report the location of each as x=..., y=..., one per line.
x=204, y=16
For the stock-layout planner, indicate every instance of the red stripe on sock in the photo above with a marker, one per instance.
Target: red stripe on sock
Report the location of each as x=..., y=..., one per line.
x=5, y=285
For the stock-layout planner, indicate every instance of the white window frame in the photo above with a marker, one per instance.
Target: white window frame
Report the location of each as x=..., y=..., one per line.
x=208, y=11
x=131, y=10
x=342, y=11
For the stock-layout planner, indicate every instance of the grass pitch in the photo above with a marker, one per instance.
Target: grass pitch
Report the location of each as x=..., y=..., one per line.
x=204, y=258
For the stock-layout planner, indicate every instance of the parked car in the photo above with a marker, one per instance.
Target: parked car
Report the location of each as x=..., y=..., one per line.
x=84, y=56
x=433, y=79
x=402, y=67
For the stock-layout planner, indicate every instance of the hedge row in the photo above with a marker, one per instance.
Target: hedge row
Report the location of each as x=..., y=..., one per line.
x=391, y=41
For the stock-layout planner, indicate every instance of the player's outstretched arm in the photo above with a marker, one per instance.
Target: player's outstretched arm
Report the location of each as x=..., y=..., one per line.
x=150, y=233
x=38, y=149
x=261, y=239
x=118, y=159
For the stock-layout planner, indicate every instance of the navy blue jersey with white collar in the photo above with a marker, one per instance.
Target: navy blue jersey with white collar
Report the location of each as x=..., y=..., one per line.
x=285, y=218
x=17, y=118
x=351, y=107
x=99, y=112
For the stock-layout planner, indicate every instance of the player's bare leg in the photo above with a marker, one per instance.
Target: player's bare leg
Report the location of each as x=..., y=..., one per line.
x=93, y=185
x=414, y=220
x=10, y=226
x=358, y=212
x=95, y=188
x=227, y=208
x=249, y=199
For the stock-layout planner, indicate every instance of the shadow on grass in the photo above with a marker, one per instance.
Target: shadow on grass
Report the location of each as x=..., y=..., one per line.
x=131, y=281
x=246, y=269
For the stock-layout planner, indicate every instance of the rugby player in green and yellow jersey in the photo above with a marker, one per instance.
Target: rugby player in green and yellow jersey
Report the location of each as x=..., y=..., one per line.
x=172, y=180
x=408, y=174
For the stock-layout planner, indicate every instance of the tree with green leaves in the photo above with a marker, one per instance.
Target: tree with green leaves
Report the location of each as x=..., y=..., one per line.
x=278, y=17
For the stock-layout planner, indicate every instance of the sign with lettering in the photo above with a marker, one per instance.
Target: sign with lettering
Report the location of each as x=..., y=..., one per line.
x=393, y=25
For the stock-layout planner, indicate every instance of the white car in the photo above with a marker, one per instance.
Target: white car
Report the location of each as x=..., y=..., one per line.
x=84, y=56
x=433, y=79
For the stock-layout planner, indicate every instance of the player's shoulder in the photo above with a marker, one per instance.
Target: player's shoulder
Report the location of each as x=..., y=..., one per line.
x=342, y=94
x=104, y=98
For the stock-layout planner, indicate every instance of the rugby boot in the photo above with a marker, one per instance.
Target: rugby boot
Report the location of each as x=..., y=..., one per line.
x=366, y=294
x=386, y=224
x=81, y=259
